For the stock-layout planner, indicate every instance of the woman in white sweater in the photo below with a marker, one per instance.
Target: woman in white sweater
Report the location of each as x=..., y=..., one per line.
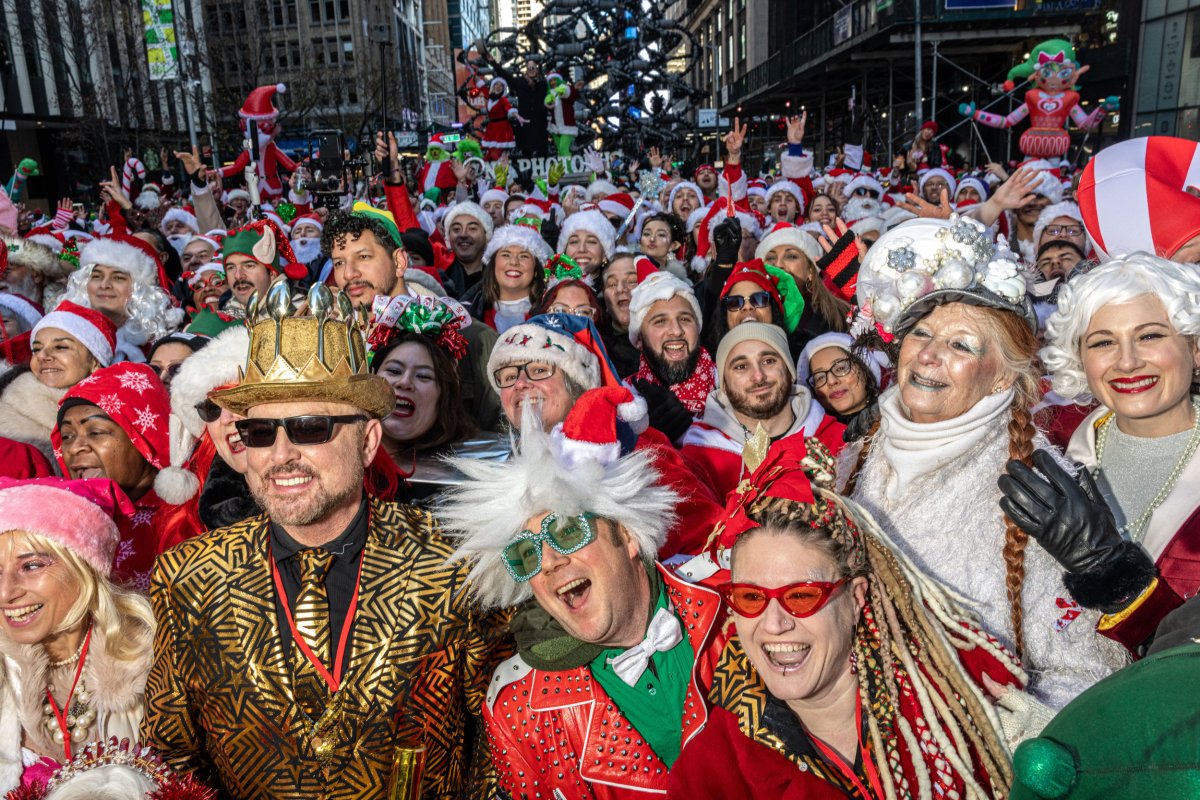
x=967, y=377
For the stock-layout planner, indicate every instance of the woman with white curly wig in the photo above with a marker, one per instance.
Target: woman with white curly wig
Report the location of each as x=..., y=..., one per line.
x=119, y=277
x=1126, y=530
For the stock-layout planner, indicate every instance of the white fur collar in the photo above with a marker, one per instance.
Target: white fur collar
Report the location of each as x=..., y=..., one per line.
x=29, y=410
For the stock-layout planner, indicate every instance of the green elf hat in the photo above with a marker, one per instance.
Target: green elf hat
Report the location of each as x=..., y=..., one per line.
x=790, y=295
x=210, y=323
x=384, y=218
x=265, y=243
x=1135, y=734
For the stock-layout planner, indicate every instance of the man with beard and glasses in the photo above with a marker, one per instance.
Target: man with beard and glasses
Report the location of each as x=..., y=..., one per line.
x=756, y=385
x=369, y=260
x=297, y=650
x=675, y=374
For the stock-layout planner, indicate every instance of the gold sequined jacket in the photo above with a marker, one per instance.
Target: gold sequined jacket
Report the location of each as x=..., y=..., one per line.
x=219, y=700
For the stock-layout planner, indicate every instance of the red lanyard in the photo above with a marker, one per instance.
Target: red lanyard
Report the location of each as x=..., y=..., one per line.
x=847, y=770
x=61, y=714
x=334, y=680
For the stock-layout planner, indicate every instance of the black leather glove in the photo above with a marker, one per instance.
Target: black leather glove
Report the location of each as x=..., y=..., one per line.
x=1070, y=520
x=727, y=239
x=666, y=412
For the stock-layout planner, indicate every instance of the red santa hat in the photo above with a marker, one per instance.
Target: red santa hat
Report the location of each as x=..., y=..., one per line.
x=589, y=432
x=30, y=312
x=937, y=172
x=785, y=234
x=308, y=219
x=705, y=168
x=93, y=330
x=789, y=187
x=492, y=195
x=259, y=105
x=1135, y=195
x=758, y=188
x=717, y=213
x=179, y=215
x=618, y=205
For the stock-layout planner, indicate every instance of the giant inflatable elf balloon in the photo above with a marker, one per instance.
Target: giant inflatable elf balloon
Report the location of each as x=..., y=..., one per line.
x=258, y=114
x=1054, y=70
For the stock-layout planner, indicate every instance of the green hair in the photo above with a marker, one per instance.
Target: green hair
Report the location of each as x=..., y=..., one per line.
x=1050, y=47
x=468, y=148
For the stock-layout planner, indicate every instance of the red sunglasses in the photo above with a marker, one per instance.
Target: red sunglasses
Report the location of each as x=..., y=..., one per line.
x=801, y=599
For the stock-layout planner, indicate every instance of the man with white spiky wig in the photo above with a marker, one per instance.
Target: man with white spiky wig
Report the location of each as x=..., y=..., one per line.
x=615, y=656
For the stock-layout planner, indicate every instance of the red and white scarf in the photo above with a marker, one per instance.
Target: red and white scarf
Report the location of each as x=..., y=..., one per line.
x=694, y=391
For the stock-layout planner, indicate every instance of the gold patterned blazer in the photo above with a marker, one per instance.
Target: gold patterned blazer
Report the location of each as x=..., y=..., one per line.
x=219, y=700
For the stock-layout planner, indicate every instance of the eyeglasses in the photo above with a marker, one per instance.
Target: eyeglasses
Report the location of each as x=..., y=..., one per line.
x=167, y=372
x=1064, y=230
x=801, y=599
x=735, y=302
x=579, y=311
x=567, y=535
x=534, y=371
x=307, y=430
x=838, y=369
x=208, y=410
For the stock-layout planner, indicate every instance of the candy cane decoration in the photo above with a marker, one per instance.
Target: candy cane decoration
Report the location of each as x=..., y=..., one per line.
x=132, y=167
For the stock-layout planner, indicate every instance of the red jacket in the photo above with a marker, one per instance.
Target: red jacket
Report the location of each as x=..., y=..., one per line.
x=712, y=447
x=559, y=730
x=20, y=460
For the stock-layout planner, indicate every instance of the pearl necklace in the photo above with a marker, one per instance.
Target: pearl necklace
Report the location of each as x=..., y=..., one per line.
x=1136, y=530
x=79, y=715
x=69, y=660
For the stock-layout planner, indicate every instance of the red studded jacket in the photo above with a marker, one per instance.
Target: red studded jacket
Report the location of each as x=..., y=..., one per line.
x=560, y=731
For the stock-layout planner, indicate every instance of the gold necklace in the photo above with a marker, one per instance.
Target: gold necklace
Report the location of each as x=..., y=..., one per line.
x=1136, y=529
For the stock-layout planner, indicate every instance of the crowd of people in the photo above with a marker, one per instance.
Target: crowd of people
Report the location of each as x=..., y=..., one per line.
x=829, y=483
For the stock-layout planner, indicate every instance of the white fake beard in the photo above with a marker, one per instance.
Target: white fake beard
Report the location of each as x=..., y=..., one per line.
x=179, y=241
x=148, y=201
x=306, y=249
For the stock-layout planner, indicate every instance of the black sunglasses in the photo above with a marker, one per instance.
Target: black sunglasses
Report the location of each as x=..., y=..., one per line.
x=260, y=431
x=735, y=302
x=208, y=410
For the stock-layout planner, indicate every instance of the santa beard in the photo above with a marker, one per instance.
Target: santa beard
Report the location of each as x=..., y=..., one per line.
x=179, y=241
x=27, y=288
x=306, y=249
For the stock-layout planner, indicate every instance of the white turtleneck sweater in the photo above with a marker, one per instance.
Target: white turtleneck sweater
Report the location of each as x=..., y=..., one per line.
x=933, y=489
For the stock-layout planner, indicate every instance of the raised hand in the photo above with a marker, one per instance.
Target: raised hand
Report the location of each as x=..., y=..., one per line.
x=192, y=164
x=795, y=128
x=1018, y=189
x=832, y=234
x=915, y=204
x=655, y=157
x=735, y=140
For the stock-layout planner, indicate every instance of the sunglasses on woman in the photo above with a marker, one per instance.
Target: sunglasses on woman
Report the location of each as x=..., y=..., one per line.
x=736, y=302
x=306, y=430
x=838, y=369
x=207, y=410
x=579, y=311
x=566, y=534
x=801, y=599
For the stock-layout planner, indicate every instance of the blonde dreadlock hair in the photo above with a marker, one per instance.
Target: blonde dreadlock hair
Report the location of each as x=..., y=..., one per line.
x=911, y=631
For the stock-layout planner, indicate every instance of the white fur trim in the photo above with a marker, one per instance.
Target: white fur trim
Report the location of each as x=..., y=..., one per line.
x=176, y=485
x=656, y=287
x=21, y=307
x=748, y=220
x=794, y=236
x=219, y=362
x=593, y=222
x=938, y=172
x=1052, y=212
x=521, y=235
x=601, y=186
x=88, y=334
x=531, y=342
x=794, y=167
x=789, y=187
x=684, y=185
x=472, y=210
x=125, y=257
x=181, y=215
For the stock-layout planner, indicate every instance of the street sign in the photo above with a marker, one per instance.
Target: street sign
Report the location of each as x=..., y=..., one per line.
x=706, y=118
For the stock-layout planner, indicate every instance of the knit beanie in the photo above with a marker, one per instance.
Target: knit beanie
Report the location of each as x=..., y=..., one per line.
x=770, y=335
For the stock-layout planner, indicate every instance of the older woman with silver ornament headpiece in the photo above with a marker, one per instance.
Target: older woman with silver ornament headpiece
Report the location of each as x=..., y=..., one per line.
x=1126, y=529
x=76, y=646
x=967, y=378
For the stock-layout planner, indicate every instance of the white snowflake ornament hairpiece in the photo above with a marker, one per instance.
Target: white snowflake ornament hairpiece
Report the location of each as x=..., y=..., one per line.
x=955, y=257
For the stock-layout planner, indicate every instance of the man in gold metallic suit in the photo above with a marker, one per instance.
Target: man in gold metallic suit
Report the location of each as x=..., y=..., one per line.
x=304, y=652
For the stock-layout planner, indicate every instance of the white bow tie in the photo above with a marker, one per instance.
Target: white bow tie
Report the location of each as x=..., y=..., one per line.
x=663, y=633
